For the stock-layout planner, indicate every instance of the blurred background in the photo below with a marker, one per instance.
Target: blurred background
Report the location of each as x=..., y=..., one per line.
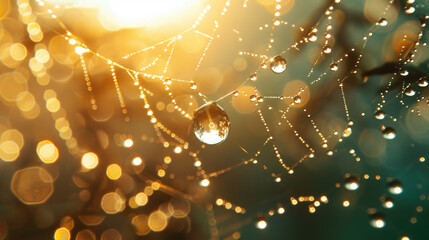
x=96, y=121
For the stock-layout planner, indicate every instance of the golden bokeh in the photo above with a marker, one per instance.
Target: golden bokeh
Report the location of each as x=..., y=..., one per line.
x=25, y=101
x=92, y=219
x=47, y=151
x=53, y=105
x=111, y=234
x=140, y=223
x=157, y=221
x=62, y=234
x=86, y=235
x=141, y=199
x=11, y=85
x=67, y=222
x=32, y=185
x=89, y=160
x=18, y=51
x=114, y=171
x=180, y=207
x=112, y=203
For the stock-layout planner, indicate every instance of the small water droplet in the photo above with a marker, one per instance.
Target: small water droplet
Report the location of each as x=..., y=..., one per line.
x=253, y=77
x=410, y=92
x=377, y=220
x=389, y=133
x=351, y=183
x=404, y=73
x=235, y=93
x=297, y=99
x=423, y=82
x=260, y=99
x=193, y=85
x=334, y=67
x=395, y=187
x=312, y=37
x=387, y=202
x=253, y=98
x=410, y=9
x=380, y=115
x=327, y=49
x=382, y=22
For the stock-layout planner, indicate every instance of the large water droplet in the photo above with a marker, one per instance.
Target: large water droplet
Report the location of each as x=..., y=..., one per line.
x=351, y=183
x=278, y=64
x=389, y=133
x=211, y=124
x=395, y=187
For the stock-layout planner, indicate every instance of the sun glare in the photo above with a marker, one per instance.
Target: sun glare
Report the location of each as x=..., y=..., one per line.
x=139, y=13
x=117, y=14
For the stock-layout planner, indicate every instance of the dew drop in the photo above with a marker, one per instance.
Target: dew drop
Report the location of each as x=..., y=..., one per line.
x=423, y=82
x=261, y=223
x=260, y=99
x=193, y=85
x=334, y=67
x=327, y=49
x=404, y=73
x=410, y=9
x=253, y=98
x=380, y=115
x=387, y=202
x=395, y=187
x=312, y=37
x=278, y=64
x=235, y=93
x=389, y=133
x=351, y=183
x=253, y=77
x=382, y=22
x=410, y=92
x=377, y=220
x=211, y=124
x=297, y=99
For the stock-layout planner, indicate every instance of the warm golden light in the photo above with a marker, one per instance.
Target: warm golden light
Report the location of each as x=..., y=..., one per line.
x=141, y=199
x=47, y=151
x=62, y=234
x=114, y=171
x=33, y=185
x=115, y=14
x=112, y=203
x=157, y=221
x=89, y=160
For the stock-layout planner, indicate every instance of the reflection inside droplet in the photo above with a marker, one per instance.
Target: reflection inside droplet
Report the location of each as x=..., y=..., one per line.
x=211, y=124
